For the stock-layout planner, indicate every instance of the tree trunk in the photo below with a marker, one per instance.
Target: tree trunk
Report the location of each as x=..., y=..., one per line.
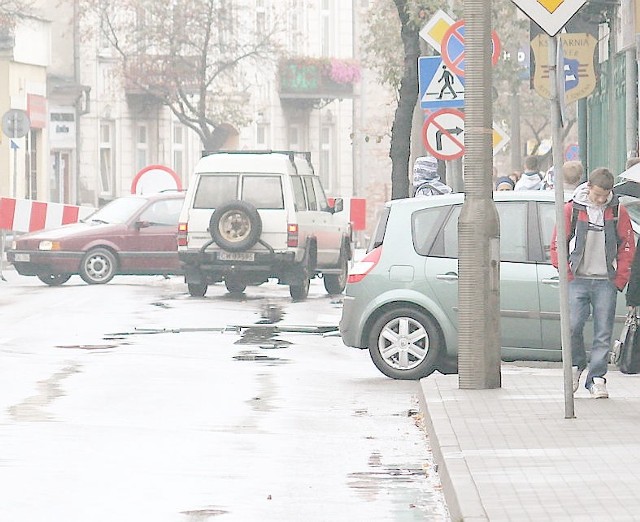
x=408, y=97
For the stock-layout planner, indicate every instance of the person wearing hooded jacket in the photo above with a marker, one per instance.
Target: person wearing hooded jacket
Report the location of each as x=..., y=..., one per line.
x=426, y=180
x=601, y=249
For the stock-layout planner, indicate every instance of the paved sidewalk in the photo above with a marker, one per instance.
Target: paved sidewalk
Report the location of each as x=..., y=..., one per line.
x=510, y=454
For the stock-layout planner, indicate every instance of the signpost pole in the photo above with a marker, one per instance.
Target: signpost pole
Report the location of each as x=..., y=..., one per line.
x=15, y=171
x=15, y=154
x=565, y=331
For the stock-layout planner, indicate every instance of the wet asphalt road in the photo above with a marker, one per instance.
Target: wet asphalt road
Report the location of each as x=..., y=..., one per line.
x=134, y=402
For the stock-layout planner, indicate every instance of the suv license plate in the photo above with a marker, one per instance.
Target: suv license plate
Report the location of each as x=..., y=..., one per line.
x=236, y=256
x=22, y=258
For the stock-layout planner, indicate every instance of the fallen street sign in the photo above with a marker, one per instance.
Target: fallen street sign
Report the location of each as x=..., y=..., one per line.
x=550, y=15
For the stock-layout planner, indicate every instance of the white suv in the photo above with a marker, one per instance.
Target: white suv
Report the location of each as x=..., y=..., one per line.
x=253, y=215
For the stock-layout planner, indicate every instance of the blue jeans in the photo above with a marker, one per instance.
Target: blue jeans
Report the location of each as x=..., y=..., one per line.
x=585, y=296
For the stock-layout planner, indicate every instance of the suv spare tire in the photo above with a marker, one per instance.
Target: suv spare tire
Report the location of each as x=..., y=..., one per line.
x=235, y=226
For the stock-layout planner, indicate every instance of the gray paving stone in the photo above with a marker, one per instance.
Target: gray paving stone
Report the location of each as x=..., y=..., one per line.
x=510, y=453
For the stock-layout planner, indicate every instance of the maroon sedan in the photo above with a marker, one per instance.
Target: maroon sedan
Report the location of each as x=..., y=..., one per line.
x=132, y=235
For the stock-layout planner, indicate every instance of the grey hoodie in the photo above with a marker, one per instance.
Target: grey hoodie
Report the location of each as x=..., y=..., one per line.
x=594, y=261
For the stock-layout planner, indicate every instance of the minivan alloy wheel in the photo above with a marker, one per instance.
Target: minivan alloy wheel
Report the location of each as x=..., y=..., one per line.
x=405, y=343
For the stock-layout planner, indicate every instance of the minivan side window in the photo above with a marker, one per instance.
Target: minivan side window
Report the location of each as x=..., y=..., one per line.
x=298, y=193
x=513, y=232
x=424, y=229
x=263, y=191
x=311, y=195
x=214, y=190
x=547, y=217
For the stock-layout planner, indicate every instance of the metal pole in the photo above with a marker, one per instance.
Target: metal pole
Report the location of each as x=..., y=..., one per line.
x=3, y=240
x=15, y=155
x=561, y=231
x=516, y=147
x=15, y=171
x=583, y=136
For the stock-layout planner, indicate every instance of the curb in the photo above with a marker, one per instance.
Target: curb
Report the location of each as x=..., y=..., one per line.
x=460, y=490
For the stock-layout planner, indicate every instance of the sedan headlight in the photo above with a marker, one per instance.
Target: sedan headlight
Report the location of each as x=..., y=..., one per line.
x=49, y=245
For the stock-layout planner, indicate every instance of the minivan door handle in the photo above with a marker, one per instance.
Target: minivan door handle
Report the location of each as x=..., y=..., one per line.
x=551, y=281
x=449, y=276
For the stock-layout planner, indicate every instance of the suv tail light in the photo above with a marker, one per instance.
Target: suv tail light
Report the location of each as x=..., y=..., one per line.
x=360, y=269
x=292, y=235
x=182, y=234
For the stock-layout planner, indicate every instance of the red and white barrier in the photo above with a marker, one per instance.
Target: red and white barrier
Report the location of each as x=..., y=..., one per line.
x=26, y=215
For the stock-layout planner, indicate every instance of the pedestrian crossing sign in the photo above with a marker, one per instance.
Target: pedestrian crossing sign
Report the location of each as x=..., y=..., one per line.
x=439, y=87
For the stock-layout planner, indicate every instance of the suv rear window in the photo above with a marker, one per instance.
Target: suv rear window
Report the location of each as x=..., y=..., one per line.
x=261, y=191
x=214, y=190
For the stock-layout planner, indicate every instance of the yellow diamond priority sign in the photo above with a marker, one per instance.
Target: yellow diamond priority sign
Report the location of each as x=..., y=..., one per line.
x=551, y=5
x=551, y=15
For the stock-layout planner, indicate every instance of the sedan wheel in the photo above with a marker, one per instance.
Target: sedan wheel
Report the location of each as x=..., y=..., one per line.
x=405, y=344
x=98, y=266
x=54, y=279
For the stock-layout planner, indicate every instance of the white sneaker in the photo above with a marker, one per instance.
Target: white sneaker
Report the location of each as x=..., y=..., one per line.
x=599, y=388
x=576, y=373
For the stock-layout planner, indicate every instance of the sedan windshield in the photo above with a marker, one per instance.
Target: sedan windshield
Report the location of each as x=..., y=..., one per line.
x=118, y=211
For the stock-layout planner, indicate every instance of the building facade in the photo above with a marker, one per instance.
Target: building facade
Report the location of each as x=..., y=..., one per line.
x=91, y=133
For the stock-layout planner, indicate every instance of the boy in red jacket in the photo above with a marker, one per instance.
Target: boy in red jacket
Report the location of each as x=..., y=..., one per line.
x=600, y=249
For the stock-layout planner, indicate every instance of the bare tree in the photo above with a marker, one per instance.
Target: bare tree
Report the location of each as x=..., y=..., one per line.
x=194, y=56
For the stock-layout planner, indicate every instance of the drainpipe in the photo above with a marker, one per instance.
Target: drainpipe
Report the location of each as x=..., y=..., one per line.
x=631, y=112
x=73, y=192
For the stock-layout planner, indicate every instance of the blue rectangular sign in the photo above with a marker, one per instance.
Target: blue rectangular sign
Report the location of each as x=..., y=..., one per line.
x=439, y=87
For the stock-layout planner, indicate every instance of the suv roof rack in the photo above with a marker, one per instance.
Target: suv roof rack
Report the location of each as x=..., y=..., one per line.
x=290, y=153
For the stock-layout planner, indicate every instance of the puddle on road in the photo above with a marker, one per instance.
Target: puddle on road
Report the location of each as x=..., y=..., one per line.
x=88, y=346
x=264, y=336
x=255, y=357
x=201, y=515
x=266, y=339
x=32, y=409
